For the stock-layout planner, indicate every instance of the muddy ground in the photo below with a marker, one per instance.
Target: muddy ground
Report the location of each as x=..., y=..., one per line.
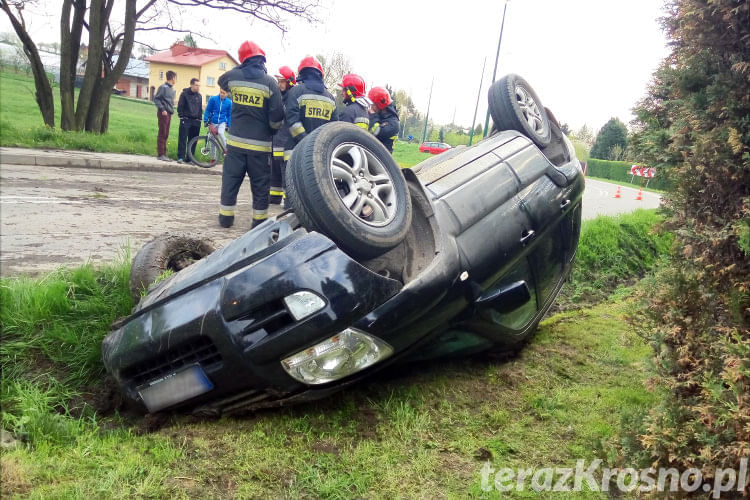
x=53, y=216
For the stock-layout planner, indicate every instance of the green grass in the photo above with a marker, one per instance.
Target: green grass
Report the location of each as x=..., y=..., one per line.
x=132, y=126
x=414, y=435
x=615, y=250
x=132, y=123
x=408, y=155
x=425, y=431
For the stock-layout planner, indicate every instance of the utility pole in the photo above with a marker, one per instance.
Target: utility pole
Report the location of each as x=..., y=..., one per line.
x=494, y=72
x=476, y=109
x=427, y=116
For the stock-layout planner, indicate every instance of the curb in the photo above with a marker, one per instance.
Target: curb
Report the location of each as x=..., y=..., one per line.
x=103, y=161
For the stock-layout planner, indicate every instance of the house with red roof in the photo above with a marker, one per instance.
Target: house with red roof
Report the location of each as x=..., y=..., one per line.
x=189, y=62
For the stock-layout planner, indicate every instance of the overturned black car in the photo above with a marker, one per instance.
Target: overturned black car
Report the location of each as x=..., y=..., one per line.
x=374, y=266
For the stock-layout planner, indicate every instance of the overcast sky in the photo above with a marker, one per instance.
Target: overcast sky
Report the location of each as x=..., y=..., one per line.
x=588, y=60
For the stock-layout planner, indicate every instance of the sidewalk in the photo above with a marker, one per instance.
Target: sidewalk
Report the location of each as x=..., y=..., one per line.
x=88, y=159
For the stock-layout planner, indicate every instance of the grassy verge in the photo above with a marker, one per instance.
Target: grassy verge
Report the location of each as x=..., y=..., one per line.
x=424, y=431
x=614, y=251
x=132, y=123
x=132, y=126
x=634, y=185
x=408, y=155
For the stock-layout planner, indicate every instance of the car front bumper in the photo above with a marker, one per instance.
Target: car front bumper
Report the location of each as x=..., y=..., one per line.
x=236, y=327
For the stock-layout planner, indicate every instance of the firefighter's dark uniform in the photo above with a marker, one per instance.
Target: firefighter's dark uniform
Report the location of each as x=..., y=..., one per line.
x=257, y=113
x=384, y=125
x=282, y=150
x=308, y=106
x=357, y=112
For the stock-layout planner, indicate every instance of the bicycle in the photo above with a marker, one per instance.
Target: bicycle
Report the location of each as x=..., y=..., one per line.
x=207, y=150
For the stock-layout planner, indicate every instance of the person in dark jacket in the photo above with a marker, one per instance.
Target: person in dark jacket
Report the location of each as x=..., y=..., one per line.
x=190, y=111
x=282, y=141
x=309, y=104
x=357, y=109
x=384, y=121
x=164, y=101
x=257, y=113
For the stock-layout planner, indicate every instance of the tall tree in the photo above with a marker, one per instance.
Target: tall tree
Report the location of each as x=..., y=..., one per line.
x=111, y=35
x=613, y=133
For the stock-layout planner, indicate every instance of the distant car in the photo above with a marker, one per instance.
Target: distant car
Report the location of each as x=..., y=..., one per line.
x=434, y=147
x=373, y=266
x=117, y=91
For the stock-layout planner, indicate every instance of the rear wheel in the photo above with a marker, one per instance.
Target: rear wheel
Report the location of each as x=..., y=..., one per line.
x=342, y=182
x=515, y=106
x=208, y=152
x=168, y=252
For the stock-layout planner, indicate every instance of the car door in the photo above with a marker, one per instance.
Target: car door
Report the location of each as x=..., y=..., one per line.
x=546, y=198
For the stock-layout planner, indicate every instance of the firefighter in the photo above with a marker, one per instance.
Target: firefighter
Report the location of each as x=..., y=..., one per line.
x=384, y=122
x=357, y=104
x=309, y=104
x=257, y=113
x=282, y=141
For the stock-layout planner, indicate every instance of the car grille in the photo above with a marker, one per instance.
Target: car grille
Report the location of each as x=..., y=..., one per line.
x=199, y=350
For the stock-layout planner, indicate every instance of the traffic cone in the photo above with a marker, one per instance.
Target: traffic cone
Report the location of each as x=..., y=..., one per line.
x=640, y=195
x=617, y=194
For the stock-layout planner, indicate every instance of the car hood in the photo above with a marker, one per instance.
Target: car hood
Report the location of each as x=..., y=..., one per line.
x=251, y=247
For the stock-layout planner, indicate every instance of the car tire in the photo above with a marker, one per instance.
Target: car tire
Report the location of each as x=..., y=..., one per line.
x=342, y=182
x=515, y=106
x=168, y=252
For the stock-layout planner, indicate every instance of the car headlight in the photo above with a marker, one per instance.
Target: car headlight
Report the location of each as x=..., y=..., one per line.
x=341, y=355
x=303, y=303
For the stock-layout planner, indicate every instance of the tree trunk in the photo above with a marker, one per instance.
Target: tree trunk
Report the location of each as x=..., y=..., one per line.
x=43, y=94
x=70, y=44
x=97, y=117
x=97, y=24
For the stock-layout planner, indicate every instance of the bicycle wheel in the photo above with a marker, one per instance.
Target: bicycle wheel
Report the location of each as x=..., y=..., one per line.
x=205, y=152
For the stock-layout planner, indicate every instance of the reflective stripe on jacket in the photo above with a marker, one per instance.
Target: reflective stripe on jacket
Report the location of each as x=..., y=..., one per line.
x=307, y=110
x=357, y=112
x=257, y=111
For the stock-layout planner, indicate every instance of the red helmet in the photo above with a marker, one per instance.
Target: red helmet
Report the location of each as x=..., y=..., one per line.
x=380, y=97
x=354, y=81
x=249, y=49
x=288, y=74
x=310, y=62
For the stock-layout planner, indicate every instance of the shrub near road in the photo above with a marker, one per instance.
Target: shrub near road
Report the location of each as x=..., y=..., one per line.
x=427, y=430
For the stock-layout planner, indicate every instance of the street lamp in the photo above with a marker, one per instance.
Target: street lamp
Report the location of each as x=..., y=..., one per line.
x=494, y=72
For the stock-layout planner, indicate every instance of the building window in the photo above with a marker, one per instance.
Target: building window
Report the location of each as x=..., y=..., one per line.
x=161, y=75
x=210, y=81
x=222, y=66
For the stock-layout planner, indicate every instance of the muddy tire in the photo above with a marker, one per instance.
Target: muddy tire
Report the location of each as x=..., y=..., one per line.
x=515, y=106
x=168, y=252
x=342, y=182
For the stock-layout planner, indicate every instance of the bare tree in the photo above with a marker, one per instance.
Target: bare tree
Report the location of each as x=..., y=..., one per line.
x=43, y=94
x=111, y=36
x=335, y=66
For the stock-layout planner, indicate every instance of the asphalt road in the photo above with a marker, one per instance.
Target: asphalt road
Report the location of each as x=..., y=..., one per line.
x=52, y=216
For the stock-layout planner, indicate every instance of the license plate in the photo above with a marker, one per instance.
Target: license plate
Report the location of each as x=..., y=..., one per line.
x=175, y=388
